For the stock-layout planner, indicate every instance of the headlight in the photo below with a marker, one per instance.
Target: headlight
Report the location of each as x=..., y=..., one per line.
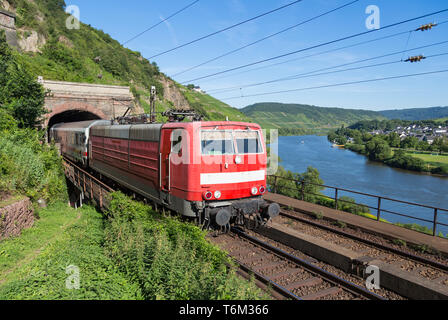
x=254, y=190
x=262, y=189
x=217, y=194
x=238, y=160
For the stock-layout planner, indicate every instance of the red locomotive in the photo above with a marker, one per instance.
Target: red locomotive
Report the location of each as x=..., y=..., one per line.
x=212, y=171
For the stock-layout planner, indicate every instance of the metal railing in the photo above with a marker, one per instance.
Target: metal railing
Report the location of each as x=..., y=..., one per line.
x=87, y=184
x=300, y=188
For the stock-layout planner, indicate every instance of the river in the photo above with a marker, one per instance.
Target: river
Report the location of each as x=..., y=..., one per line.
x=349, y=170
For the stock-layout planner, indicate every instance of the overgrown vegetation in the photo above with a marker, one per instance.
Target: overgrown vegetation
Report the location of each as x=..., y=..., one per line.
x=34, y=266
x=27, y=166
x=20, y=95
x=169, y=259
x=30, y=167
x=133, y=253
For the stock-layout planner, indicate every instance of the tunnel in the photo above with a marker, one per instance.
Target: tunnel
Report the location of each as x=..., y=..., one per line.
x=71, y=116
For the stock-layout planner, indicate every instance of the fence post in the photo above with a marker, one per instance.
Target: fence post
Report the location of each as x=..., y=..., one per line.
x=275, y=184
x=379, y=209
x=303, y=190
x=434, y=229
x=336, y=198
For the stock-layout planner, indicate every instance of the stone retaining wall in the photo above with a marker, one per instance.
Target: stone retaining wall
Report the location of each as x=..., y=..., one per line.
x=7, y=23
x=15, y=217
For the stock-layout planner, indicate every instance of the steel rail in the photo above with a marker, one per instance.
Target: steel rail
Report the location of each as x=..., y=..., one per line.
x=327, y=276
x=266, y=281
x=402, y=253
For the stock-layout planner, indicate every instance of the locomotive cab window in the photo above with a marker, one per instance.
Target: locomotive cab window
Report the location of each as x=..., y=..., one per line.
x=176, y=141
x=248, y=142
x=217, y=142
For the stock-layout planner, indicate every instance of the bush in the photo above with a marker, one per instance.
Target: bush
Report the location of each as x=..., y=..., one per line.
x=168, y=258
x=30, y=167
x=20, y=94
x=400, y=160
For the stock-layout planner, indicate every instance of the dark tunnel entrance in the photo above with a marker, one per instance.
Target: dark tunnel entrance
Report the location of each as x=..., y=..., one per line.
x=71, y=116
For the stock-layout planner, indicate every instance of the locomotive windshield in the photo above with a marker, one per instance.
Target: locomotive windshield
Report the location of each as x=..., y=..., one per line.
x=247, y=142
x=230, y=142
x=217, y=142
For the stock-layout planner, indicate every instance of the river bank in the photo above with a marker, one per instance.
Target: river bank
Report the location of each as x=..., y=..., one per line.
x=402, y=159
x=349, y=170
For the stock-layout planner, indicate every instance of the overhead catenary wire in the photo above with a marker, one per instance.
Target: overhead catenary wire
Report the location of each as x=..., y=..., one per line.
x=227, y=28
x=320, y=53
x=316, y=46
x=313, y=73
x=309, y=56
x=265, y=38
x=162, y=21
x=368, y=66
x=339, y=84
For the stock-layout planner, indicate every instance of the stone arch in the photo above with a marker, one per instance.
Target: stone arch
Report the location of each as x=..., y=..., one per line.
x=71, y=112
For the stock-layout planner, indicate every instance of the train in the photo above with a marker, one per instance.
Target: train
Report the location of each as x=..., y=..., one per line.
x=212, y=171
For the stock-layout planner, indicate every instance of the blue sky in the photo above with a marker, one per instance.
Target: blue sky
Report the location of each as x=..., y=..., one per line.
x=123, y=20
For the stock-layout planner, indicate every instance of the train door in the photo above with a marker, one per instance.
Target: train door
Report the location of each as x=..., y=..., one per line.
x=171, y=154
x=165, y=151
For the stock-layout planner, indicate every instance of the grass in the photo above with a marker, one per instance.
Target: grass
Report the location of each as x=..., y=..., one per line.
x=50, y=223
x=431, y=159
x=62, y=237
x=133, y=254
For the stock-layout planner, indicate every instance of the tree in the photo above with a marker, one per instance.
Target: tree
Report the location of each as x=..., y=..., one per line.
x=378, y=150
x=341, y=140
x=440, y=144
x=394, y=140
x=20, y=94
x=310, y=179
x=409, y=143
x=423, y=145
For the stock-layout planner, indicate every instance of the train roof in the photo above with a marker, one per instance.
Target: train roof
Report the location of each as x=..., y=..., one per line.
x=80, y=124
x=144, y=132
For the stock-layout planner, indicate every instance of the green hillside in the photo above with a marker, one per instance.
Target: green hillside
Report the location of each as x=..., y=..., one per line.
x=211, y=108
x=90, y=55
x=297, y=118
x=416, y=113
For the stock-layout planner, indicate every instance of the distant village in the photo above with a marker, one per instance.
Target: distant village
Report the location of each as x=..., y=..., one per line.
x=422, y=133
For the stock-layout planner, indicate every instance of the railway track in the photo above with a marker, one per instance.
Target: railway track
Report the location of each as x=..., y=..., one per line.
x=383, y=251
x=287, y=275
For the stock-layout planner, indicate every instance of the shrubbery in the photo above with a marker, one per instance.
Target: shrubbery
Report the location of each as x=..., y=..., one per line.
x=30, y=167
x=20, y=94
x=170, y=259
